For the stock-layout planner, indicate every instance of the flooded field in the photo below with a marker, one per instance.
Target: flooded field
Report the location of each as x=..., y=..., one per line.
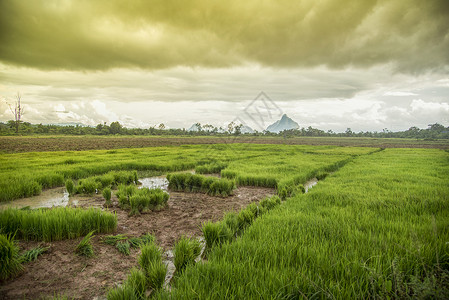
x=48, y=198
x=157, y=182
x=60, y=197
x=310, y=184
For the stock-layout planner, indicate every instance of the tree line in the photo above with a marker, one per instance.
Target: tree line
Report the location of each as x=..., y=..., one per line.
x=434, y=131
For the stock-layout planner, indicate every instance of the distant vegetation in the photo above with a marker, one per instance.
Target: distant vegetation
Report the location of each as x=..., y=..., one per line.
x=434, y=131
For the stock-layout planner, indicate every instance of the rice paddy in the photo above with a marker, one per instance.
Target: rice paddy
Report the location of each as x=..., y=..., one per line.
x=375, y=226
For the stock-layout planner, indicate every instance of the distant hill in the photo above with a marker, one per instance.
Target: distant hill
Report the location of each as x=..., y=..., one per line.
x=193, y=128
x=285, y=123
x=246, y=129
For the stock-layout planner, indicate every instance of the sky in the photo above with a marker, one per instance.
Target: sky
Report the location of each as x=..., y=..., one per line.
x=330, y=64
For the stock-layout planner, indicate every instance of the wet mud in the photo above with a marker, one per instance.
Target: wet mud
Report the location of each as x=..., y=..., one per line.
x=61, y=271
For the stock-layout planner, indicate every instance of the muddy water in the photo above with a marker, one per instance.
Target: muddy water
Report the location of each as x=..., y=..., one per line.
x=48, y=198
x=310, y=184
x=160, y=182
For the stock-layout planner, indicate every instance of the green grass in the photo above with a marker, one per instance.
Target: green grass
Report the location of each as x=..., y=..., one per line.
x=10, y=260
x=57, y=223
x=377, y=228
x=84, y=248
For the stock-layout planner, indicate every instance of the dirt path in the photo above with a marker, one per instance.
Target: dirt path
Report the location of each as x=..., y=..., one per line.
x=16, y=144
x=60, y=271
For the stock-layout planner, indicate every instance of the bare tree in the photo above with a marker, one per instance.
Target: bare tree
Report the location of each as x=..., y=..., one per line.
x=17, y=111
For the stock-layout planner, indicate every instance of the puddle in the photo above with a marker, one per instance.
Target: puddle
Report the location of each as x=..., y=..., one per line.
x=48, y=198
x=156, y=182
x=310, y=184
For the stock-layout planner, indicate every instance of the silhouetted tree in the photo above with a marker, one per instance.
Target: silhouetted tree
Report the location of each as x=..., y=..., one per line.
x=17, y=111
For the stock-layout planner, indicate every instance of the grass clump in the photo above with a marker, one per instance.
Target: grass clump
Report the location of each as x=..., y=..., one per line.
x=56, y=224
x=186, y=251
x=10, y=260
x=84, y=248
x=32, y=254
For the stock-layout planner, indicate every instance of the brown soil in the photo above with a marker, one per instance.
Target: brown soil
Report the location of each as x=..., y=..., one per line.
x=60, y=271
x=15, y=144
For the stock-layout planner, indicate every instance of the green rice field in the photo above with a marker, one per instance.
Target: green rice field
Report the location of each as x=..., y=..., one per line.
x=376, y=226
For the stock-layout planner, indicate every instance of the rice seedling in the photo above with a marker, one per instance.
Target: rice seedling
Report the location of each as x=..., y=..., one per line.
x=137, y=281
x=138, y=200
x=155, y=274
x=107, y=195
x=113, y=239
x=149, y=253
x=231, y=221
x=32, y=254
x=214, y=167
x=186, y=250
x=123, y=247
x=70, y=186
x=87, y=186
x=270, y=203
x=84, y=248
x=124, y=292
x=215, y=233
x=135, y=242
x=187, y=182
x=10, y=260
x=150, y=260
x=56, y=296
x=147, y=238
x=57, y=223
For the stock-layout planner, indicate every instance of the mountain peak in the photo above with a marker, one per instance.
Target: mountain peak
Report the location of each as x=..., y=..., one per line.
x=285, y=123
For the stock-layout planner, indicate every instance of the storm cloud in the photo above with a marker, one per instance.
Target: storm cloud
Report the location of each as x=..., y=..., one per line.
x=84, y=35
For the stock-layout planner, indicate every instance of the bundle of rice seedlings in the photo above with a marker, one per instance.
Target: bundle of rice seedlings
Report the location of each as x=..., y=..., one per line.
x=10, y=261
x=70, y=186
x=32, y=254
x=107, y=195
x=150, y=260
x=215, y=233
x=123, y=247
x=113, y=239
x=84, y=248
x=186, y=251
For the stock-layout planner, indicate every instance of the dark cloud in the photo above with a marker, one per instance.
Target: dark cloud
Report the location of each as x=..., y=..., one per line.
x=412, y=35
